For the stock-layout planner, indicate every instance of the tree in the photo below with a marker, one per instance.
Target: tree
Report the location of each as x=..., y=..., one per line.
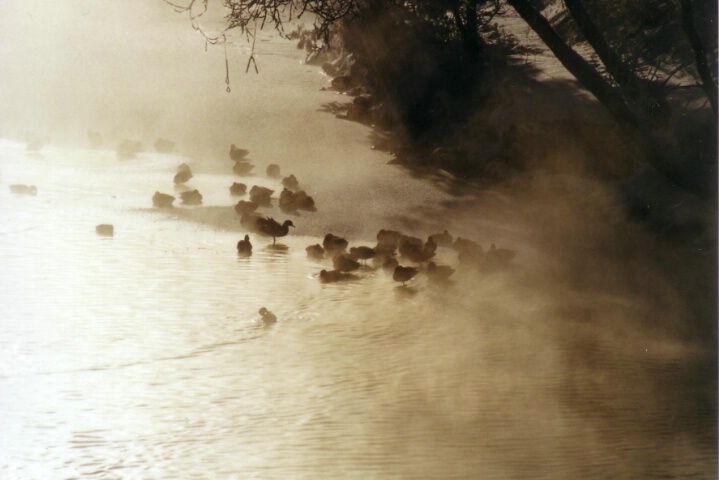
x=638, y=102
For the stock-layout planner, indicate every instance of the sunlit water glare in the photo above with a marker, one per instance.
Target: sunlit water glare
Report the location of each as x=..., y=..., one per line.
x=142, y=355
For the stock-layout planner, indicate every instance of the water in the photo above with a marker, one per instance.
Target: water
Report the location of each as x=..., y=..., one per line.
x=142, y=355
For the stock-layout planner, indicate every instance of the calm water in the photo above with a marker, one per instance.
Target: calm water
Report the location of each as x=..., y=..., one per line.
x=141, y=355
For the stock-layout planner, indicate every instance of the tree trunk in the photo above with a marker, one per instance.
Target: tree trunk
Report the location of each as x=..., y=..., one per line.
x=700, y=53
x=659, y=150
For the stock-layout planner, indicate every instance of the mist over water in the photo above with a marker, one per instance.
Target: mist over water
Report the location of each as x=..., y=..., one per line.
x=142, y=355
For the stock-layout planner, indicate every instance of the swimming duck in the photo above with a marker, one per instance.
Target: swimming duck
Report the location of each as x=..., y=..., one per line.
x=162, y=200
x=269, y=226
x=315, y=252
x=497, y=258
x=23, y=189
x=182, y=176
x=290, y=182
x=268, y=317
x=443, y=239
x=362, y=253
x=238, y=153
x=242, y=168
x=332, y=276
x=243, y=206
x=273, y=170
x=244, y=247
x=238, y=189
x=344, y=263
x=288, y=203
x=464, y=244
x=404, y=274
x=192, y=197
x=334, y=244
x=105, y=230
x=439, y=273
x=261, y=195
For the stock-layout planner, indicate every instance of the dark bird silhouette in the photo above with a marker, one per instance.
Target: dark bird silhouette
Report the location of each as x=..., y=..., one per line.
x=439, y=273
x=261, y=195
x=290, y=182
x=334, y=244
x=287, y=203
x=442, y=239
x=244, y=247
x=105, y=230
x=362, y=253
x=315, y=252
x=128, y=149
x=162, y=200
x=345, y=263
x=268, y=318
x=183, y=174
x=273, y=170
x=243, y=206
x=404, y=274
x=497, y=258
x=331, y=276
x=408, y=245
x=23, y=189
x=238, y=189
x=192, y=197
x=237, y=153
x=242, y=168
x=464, y=244
x=269, y=226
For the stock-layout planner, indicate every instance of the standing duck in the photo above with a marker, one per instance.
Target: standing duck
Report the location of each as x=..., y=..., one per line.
x=344, y=263
x=334, y=244
x=269, y=226
x=404, y=274
x=268, y=318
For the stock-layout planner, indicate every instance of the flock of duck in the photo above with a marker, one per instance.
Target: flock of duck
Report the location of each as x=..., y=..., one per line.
x=392, y=246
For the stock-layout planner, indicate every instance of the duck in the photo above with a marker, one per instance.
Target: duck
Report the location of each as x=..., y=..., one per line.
x=304, y=201
x=408, y=245
x=273, y=170
x=497, y=258
x=238, y=153
x=463, y=244
x=105, y=230
x=269, y=226
x=238, y=189
x=315, y=252
x=290, y=182
x=242, y=168
x=363, y=253
x=288, y=202
x=268, y=317
x=261, y=195
x=182, y=177
x=344, y=263
x=162, y=200
x=23, y=189
x=243, y=206
x=439, y=273
x=334, y=244
x=404, y=274
x=244, y=247
x=443, y=239
x=331, y=276
x=193, y=197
